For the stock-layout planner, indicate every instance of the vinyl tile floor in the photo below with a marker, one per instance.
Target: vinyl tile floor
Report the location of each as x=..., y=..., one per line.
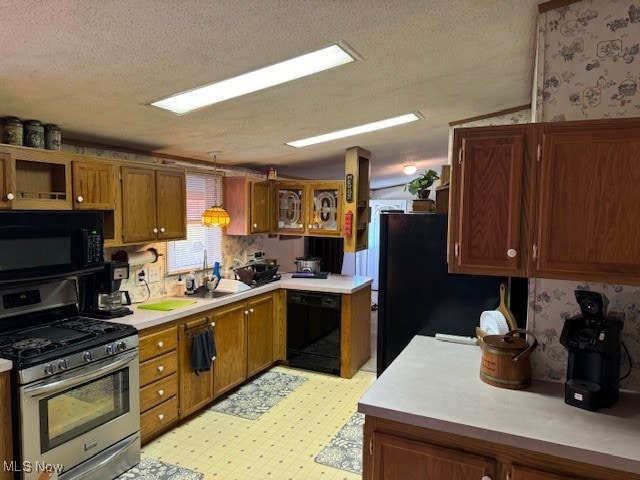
x=280, y=445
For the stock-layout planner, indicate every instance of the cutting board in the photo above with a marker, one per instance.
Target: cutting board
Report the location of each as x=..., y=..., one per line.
x=167, y=305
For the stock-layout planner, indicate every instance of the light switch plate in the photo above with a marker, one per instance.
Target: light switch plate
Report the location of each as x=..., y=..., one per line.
x=154, y=274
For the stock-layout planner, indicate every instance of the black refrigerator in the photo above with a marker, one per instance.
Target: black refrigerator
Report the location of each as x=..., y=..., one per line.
x=417, y=296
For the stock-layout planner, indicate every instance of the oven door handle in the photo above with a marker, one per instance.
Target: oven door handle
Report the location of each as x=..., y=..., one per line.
x=42, y=388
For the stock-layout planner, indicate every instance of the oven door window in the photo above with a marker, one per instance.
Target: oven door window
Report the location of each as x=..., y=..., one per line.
x=70, y=413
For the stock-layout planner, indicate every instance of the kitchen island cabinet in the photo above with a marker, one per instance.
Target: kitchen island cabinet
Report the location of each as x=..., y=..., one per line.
x=547, y=200
x=430, y=401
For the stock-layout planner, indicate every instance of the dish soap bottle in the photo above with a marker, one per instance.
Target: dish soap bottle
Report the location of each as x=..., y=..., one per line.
x=215, y=278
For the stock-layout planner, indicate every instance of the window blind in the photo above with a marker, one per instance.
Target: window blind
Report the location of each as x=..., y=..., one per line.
x=203, y=190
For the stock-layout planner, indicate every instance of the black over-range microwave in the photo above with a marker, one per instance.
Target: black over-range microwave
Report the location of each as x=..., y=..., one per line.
x=38, y=245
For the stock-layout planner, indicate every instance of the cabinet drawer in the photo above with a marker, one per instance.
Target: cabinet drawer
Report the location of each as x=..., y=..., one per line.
x=158, y=343
x=158, y=392
x=158, y=417
x=158, y=368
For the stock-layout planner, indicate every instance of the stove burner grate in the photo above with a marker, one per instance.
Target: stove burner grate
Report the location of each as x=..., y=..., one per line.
x=31, y=347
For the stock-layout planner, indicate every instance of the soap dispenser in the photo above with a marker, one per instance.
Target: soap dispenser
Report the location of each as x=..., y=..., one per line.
x=215, y=278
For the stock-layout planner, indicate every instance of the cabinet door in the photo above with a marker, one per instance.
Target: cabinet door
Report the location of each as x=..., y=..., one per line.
x=488, y=211
x=325, y=209
x=94, y=186
x=260, y=334
x=138, y=205
x=589, y=197
x=171, y=205
x=230, y=365
x=260, y=213
x=521, y=473
x=290, y=211
x=196, y=389
x=396, y=458
x=7, y=186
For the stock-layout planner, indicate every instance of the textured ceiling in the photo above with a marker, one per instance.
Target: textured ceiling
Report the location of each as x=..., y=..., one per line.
x=92, y=68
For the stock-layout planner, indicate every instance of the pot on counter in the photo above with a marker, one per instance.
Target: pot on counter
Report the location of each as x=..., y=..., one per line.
x=505, y=359
x=308, y=264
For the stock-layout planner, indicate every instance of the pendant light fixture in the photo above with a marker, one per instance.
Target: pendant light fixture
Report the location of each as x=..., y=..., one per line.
x=215, y=216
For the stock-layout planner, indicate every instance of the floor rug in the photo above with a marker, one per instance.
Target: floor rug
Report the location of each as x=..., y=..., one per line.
x=256, y=397
x=344, y=451
x=152, y=469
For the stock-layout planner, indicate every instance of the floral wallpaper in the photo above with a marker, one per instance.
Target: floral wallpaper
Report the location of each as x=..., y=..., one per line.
x=588, y=61
x=588, y=67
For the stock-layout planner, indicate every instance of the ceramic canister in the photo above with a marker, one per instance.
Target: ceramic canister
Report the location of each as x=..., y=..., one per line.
x=33, y=134
x=52, y=137
x=12, y=131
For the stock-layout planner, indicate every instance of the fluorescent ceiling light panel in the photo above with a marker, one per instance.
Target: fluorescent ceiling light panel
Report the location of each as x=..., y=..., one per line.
x=266, y=77
x=369, y=127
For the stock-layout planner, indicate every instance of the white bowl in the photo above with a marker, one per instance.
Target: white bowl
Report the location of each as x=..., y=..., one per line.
x=492, y=322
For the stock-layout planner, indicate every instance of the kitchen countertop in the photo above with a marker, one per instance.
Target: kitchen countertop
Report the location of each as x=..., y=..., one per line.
x=436, y=385
x=5, y=365
x=142, y=319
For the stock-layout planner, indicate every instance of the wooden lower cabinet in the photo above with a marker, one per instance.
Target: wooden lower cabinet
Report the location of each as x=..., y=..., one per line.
x=196, y=388
x=6, y=438
x=355, y=331
x=397, y=451
x=158, y=381
x=230, y=366
x=244, y=341
x=400, y=458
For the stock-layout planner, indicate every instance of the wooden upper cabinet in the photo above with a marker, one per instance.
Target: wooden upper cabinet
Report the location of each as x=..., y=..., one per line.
x=153, y=204
x=290, y=213
x=396, y=458
x=522, y=473
x=325, y=208
x=248, y=204
x=489, y=217
x=171, y=201
x=94, y=185
x=589, y=215
x=138, y=204
x=7, y=184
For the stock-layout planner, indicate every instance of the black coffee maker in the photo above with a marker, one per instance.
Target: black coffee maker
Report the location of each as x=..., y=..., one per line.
x=593, y=341
x=100, y=294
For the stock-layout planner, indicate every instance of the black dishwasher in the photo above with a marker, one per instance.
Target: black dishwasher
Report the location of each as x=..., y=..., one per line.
x=313, y=331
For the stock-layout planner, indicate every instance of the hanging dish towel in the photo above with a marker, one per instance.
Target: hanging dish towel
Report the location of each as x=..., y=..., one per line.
x=203, y=351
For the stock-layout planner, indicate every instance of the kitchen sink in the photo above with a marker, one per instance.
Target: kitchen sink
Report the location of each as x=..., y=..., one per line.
x=209, y=294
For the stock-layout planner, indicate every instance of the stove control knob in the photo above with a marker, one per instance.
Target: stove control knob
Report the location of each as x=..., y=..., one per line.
x=109, y=349
x=50, y=369
x=121, y=346
x=63, y=364
x=88, y=355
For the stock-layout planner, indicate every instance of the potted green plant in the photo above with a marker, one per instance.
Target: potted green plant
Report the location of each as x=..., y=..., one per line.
x=420, y=186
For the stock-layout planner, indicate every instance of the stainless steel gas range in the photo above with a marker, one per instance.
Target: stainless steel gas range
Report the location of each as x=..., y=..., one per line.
x=75, y=385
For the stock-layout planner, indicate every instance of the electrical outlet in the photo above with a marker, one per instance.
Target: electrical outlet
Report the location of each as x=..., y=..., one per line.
x=143, y=275
x=154, y=274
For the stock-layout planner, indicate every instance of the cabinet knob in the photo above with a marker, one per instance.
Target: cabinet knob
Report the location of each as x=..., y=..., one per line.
x=160, y=344
x=486, y=477
x=161, y=368
x=255, y=225
x=246, y=312
x=512, y=252
x=161, y=229
x=80, y=199
x=161, y=392
x=161, y=417
x=155, y=230
x=251, y=310
x=10, y=196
